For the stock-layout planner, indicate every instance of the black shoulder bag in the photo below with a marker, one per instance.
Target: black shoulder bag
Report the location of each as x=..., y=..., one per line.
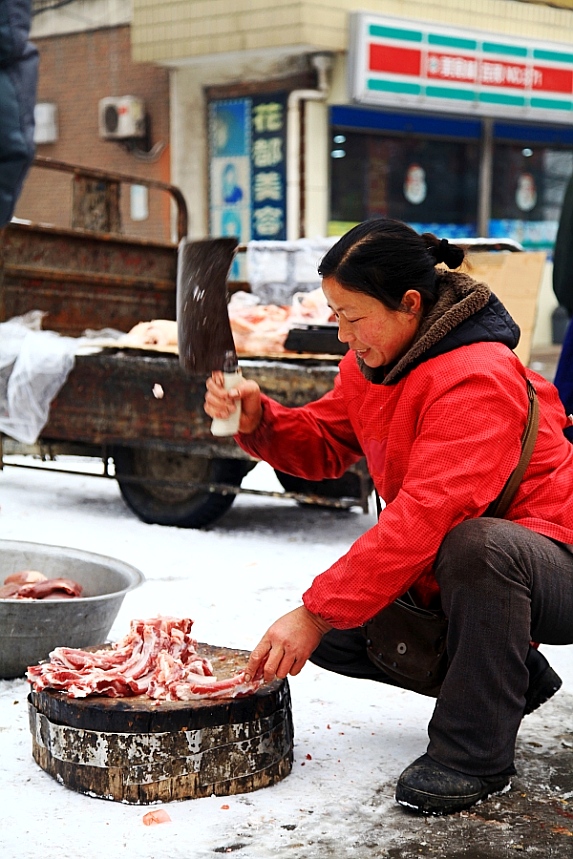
x=407, y=641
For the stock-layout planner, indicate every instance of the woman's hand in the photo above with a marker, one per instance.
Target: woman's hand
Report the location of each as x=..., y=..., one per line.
x=286, y=646
x=220, y=403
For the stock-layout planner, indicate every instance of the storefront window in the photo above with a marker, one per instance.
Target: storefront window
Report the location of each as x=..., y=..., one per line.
x=425, y=169
x=430, y=184
x=527, y=192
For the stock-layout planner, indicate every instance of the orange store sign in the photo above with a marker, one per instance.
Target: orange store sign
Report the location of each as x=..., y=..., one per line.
x=407, y=63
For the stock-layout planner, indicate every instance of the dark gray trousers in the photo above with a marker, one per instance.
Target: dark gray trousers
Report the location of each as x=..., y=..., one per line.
x=501, y=586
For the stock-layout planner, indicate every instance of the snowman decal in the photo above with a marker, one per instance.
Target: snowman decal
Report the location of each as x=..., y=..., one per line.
x=415, y=188
x=526, y=193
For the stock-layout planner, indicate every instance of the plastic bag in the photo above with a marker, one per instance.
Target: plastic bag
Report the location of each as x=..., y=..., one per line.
x=34, y=365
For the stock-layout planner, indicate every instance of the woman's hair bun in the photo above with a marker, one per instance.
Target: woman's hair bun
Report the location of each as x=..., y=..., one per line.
x=443, y=251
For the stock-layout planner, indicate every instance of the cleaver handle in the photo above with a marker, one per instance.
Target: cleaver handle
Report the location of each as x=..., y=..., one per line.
x=228, y=426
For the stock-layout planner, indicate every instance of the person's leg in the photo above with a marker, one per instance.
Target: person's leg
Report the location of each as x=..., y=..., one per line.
x=343, y=651
x=563, y=380
x=544, y=682
x=501, y=586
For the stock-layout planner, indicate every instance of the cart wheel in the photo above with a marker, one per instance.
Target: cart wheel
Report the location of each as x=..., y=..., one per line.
x=181, y=506
x=347, y=486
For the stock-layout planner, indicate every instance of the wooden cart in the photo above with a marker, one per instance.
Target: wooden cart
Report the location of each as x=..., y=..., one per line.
x=170, y=469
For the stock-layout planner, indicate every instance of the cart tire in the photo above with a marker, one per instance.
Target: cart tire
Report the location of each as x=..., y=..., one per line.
x=347, y=486
x=181, y=506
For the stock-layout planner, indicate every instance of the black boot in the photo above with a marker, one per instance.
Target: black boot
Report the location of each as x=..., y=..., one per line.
x=543, y=681
x=432, y=788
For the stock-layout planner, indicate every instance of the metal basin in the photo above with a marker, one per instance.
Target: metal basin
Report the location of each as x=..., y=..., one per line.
x=30, y=629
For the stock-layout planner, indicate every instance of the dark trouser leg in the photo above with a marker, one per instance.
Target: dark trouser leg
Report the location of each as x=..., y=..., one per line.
x=501, y=585
x=344, y=652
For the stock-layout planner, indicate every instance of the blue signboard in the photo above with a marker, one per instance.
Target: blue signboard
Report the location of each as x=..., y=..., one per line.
x=268, y=166
x=247, y=157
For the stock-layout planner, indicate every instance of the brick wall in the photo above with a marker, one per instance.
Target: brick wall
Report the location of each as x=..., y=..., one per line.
x=76, y=71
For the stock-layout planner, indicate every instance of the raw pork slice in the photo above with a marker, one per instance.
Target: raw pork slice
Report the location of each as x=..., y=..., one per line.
x=32, y=585
x=25, y=577
x=157, y=658
x=157, y=332
x=158, y=815
x=50, y=589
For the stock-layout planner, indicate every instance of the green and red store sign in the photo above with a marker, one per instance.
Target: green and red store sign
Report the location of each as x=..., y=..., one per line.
x=416, y=65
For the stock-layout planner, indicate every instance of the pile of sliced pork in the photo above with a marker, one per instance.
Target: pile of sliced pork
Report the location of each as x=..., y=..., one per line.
x=33, y=585
x=262, y=329
x=157, y=659
x=258, y=329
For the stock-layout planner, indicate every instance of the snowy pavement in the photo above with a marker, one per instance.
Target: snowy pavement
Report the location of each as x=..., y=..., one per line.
x=352, y=738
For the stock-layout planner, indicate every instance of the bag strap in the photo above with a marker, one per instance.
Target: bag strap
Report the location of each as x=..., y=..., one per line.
x=500, y=506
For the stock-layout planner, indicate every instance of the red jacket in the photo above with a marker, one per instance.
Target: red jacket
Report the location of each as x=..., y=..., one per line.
x=440, y=444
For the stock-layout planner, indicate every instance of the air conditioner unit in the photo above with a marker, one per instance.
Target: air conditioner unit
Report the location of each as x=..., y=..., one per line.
x=122, y=117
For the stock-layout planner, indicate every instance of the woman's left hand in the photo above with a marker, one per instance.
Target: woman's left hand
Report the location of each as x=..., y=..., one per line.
x=220, y=403
x=286, y=645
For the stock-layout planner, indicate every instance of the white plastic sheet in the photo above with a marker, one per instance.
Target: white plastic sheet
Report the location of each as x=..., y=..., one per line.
x=34, y=364
x=276, y=270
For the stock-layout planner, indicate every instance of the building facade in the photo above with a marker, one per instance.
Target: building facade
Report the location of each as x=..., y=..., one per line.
x=299, y=119
x=98, y=108
x=451, y=116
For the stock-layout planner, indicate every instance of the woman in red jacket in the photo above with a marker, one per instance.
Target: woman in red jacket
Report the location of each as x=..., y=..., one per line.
x=431, y=393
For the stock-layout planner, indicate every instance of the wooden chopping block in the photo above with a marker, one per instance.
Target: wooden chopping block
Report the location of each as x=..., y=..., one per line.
x=139, y=751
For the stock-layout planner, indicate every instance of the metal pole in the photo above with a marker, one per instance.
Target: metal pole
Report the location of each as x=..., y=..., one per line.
x=485, y=178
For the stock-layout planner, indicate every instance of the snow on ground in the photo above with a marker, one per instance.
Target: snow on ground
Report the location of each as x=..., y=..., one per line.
x=352, y=738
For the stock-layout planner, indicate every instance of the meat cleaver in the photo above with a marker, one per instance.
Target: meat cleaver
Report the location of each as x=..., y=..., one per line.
x=203, y=328
x=204, y=333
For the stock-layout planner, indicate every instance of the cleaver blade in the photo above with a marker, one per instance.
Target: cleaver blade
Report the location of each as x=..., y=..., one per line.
x=203, y=328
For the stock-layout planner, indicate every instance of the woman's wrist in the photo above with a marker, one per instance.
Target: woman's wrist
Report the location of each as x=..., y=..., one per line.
x=321, y=624
x=251, y=423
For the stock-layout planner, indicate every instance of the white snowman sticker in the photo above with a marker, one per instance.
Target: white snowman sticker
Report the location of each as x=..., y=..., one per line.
x=415, y=188
x=526, y=193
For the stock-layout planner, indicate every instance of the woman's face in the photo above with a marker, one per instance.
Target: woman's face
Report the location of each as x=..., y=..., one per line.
x=378, y=335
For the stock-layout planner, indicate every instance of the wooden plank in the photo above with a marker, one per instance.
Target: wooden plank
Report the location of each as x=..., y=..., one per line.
x=108, y=398
x=171, y=349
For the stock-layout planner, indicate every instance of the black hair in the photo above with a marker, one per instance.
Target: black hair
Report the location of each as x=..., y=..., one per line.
x=384, y=258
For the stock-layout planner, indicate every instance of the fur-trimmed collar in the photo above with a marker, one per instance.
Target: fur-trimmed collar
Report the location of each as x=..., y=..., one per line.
x=460, y=298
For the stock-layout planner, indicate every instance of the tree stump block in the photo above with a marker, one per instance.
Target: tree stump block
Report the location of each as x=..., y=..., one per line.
x=139, y=751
